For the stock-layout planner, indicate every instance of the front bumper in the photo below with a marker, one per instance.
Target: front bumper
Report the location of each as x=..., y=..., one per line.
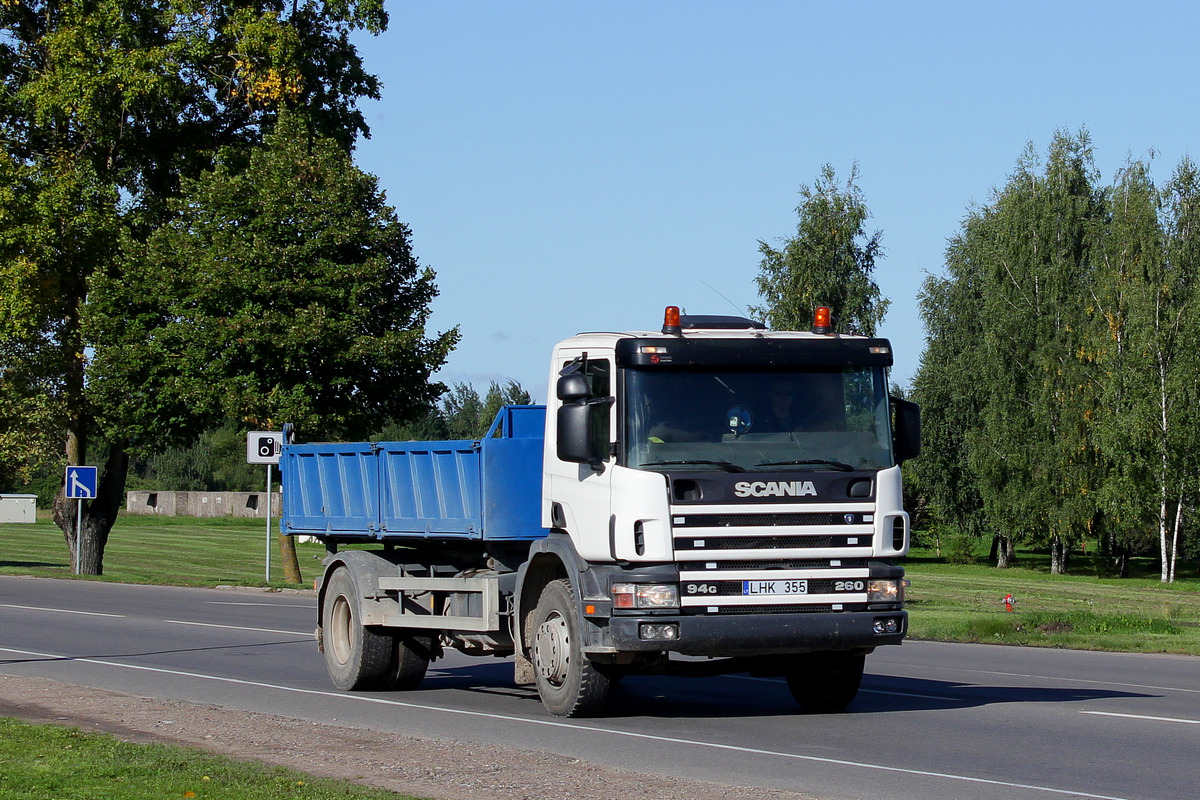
x=726, y=635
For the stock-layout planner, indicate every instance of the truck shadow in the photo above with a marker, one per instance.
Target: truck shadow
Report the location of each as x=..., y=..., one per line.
x=745, y=696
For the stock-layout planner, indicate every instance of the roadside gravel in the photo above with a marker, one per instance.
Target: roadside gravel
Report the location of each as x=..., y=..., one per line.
x=446, y=770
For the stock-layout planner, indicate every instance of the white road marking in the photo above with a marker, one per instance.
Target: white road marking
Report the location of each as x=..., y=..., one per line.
x=943, y=698
x=237, y=628
x=1142, y=716
x=572, y=726
x=926, y=668
x=914, y=695
x=62, y=611
x=267, y=605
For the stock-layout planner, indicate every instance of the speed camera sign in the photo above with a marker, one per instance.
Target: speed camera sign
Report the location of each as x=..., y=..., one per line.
x=263, y=447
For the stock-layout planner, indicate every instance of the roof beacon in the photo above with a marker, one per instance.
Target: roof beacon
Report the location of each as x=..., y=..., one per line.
x=671, y=322
x=821, y=323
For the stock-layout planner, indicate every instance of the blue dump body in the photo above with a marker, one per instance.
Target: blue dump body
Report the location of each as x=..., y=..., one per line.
x=488, y=489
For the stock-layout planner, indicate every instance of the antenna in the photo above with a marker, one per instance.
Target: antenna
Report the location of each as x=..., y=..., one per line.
x=746, y=312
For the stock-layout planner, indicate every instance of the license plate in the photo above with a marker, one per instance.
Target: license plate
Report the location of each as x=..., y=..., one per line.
x=774, y=587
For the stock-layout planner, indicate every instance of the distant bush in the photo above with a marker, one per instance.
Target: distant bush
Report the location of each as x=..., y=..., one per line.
x=959, y=548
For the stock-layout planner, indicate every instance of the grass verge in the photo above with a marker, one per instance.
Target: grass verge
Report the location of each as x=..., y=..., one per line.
x=966, y=604
x=183, y=551
x=40, y=761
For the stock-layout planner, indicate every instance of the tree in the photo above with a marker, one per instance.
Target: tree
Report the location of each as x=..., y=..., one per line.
x=1007, y=369
x=107, y=107
x=460, y=414
x=949, y=392
x=828, y=262
x=1035, y=451
x=284, y=291
x=1170, y=331
x=1125, y=379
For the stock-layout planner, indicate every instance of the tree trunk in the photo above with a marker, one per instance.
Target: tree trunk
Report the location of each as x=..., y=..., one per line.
x=291, y=565
x=1004, y=552
x=1169, y=571
x=1164, y=533
x=1059, y=555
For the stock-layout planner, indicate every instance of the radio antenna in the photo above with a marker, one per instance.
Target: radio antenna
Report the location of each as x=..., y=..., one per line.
x=727, y=300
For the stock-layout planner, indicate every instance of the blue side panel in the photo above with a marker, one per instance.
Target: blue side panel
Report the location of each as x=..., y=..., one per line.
x=330, y=488
x=430, y=489
x=487, y=489
x=512, y=475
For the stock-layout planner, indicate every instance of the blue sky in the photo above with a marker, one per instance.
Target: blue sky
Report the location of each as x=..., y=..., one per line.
x=572, y=166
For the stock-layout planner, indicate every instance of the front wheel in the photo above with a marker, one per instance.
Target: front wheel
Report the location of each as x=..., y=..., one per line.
x=823, y=682
x=568, y=683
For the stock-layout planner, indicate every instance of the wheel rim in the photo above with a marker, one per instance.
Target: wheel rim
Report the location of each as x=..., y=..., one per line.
x=552, y=649
x=340, y=620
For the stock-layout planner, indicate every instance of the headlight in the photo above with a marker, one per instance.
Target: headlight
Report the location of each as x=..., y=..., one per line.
x=883, y=590
x=645, y=595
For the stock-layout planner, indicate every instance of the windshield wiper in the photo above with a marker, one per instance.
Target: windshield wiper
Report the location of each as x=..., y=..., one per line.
x=838, y=465
x=728, y=466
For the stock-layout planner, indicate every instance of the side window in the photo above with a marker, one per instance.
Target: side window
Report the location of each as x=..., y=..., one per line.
x=599, y=375
x=599, y=379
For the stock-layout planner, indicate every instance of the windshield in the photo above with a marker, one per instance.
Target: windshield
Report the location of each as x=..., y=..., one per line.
x=757, y=421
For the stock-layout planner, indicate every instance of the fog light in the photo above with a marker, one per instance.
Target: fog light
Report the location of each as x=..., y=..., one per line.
x=887, y=625
x=658, y=631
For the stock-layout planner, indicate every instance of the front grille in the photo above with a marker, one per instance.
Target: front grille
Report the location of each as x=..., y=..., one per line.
x=769, y=542
x=812, y=608
x=766, y=520
x=784, y=563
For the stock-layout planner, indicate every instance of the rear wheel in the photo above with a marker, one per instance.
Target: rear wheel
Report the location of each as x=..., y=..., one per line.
x=412, y=657
x=822, y=682
x=356, y=657
x=569, y=684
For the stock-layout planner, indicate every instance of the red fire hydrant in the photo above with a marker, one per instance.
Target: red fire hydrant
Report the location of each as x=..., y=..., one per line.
x=1009, y=602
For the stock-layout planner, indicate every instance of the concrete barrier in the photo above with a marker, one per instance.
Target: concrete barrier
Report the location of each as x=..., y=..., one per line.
x=249, y=505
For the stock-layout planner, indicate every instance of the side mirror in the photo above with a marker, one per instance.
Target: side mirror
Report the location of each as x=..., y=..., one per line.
x=573, y=387
x=575, y=434
x=906, y=433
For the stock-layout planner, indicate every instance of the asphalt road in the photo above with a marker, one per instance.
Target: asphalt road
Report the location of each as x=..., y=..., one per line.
x=933, y=721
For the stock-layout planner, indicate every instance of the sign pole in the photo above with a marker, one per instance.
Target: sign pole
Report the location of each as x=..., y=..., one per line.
x=268, y=579
x=78, y=532
x=264, y=447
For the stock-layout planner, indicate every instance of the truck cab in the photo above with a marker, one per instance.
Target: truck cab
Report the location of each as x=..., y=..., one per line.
x=732, y=493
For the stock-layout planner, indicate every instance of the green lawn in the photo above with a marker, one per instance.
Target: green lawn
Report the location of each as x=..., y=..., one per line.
x=174, y=550
x=50, y=761
x=1137, y=614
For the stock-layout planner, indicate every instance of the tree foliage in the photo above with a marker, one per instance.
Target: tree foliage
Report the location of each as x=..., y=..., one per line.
x=830, y=261
x=1061, y=371
x=281, y=291
x=108, y=110
x=460, y=414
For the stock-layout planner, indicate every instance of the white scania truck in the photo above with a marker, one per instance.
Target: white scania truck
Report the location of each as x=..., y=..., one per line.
x=707, y=498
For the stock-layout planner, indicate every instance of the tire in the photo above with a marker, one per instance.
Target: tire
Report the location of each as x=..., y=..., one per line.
x=356, y=657
x=412, y=655
x=569, y=684
x=824, y=682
